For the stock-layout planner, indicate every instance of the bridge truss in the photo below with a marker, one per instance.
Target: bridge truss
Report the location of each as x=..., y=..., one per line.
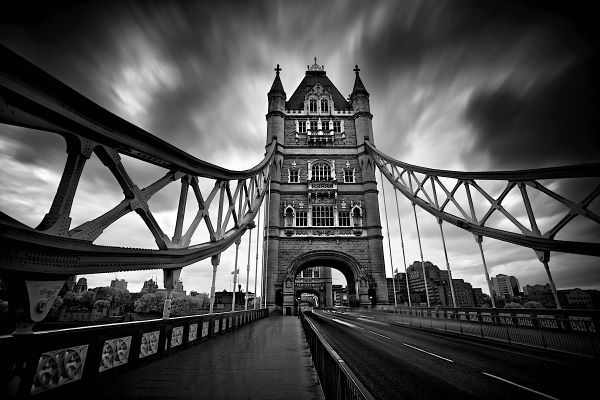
x=53, y=250
x=421, y=187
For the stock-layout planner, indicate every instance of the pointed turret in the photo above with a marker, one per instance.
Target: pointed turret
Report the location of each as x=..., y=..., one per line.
x=362, y=110
x=277, y=87
x=276, y=114
x=359, y=86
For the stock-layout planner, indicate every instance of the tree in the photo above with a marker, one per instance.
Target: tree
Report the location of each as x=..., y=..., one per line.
x=533, y=304
x=150, y=303
x=71, y=300
x=186, y=305
x=101, y=304
x=86, y=299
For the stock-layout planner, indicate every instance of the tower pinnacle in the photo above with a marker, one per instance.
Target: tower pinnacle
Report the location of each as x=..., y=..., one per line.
x=277, y=87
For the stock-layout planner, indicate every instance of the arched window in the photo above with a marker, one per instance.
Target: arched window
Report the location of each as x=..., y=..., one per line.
x=289, y=216
x=321, y=171
x=356, y=217
x=313, y=105
x=324, y=105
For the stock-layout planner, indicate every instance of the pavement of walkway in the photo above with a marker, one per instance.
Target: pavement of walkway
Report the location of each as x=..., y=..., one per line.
x=267, y=359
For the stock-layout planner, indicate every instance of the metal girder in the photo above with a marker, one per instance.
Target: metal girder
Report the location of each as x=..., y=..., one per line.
x=530, y=237
x=34, y=99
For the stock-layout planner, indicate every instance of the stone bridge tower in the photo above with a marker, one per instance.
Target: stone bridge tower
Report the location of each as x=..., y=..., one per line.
x=324, y=210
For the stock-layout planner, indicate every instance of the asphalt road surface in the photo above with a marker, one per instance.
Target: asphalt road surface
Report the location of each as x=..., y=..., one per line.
x=395, y=362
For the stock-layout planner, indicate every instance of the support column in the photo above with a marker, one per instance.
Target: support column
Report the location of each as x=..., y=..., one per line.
x=30, y=299
x=403, y=253
x=170, y=278
x=421, y=252
x=215, y=263
x=266, y=243
x=250, y=227
x=479, y=240
x=544, y=259
x=447, y=264
x=256, y=265
x=235, y=272
x=387, y=225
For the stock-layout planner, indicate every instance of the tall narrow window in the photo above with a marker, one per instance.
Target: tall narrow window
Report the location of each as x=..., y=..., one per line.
x=301, y=219
x=313, y=125
x=322, y=216
x=344, y=218
x=356, y=218
x=321, y=171
x=313, y=105
x=302, y=126
x=294, y=176
x=307, y=273
x=337, y=127
x=289, y=217
x=324, y=105
x=348, y=175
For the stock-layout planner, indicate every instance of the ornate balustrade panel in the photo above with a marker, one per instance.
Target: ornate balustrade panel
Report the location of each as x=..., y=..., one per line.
x=449, y=196
x=47, y=360
x=31, y=98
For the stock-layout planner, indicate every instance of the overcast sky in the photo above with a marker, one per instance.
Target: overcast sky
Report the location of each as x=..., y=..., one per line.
x=462, y=85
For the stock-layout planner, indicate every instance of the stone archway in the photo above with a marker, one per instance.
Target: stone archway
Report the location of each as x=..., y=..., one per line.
x=346, y=264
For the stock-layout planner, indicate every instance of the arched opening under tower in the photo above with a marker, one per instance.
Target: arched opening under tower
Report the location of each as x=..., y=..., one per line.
x=310, y=273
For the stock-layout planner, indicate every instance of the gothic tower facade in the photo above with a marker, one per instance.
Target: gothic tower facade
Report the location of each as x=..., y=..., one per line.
x=323, y=209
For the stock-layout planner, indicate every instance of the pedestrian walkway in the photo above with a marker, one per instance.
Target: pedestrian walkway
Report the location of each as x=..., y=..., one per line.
x=267, y=359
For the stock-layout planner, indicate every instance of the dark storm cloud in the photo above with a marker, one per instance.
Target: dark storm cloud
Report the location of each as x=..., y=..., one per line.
x=546, y=121
x=552, y=123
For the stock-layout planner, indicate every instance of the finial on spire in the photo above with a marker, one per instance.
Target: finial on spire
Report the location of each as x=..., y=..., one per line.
x=315, y=66
x=356, y=69
x=277, y=69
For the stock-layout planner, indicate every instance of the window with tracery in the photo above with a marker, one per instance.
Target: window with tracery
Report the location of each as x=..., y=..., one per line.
x=324, y=105
x=312, y=105
x=337, y=126
x=322, y=216
x=294, y=176
x=321, y=171
x=302, y=126
x=348, y=175
x=301, y=218
x=344, y=218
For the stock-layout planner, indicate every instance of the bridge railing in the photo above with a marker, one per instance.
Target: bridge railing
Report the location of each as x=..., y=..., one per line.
x=337, y=380
x=55, y=362
x=573, y=331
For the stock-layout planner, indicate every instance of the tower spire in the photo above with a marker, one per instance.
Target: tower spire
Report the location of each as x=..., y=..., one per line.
x=277, y=87
x=359, y=86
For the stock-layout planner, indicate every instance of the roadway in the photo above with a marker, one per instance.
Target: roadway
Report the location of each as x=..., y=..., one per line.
x=395, y=362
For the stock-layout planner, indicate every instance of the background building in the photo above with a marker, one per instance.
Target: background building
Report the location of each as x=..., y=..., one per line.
x=119, y=284
x=505, y=287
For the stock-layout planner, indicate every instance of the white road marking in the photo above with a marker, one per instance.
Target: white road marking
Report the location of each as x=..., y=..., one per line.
x=344, y=323
x=379, y=334
x=372, y=321
x=424, y=351
x=521, y=386
x=365, y=316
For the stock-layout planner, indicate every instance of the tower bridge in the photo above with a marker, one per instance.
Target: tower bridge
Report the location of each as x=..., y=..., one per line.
x=317, y=191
